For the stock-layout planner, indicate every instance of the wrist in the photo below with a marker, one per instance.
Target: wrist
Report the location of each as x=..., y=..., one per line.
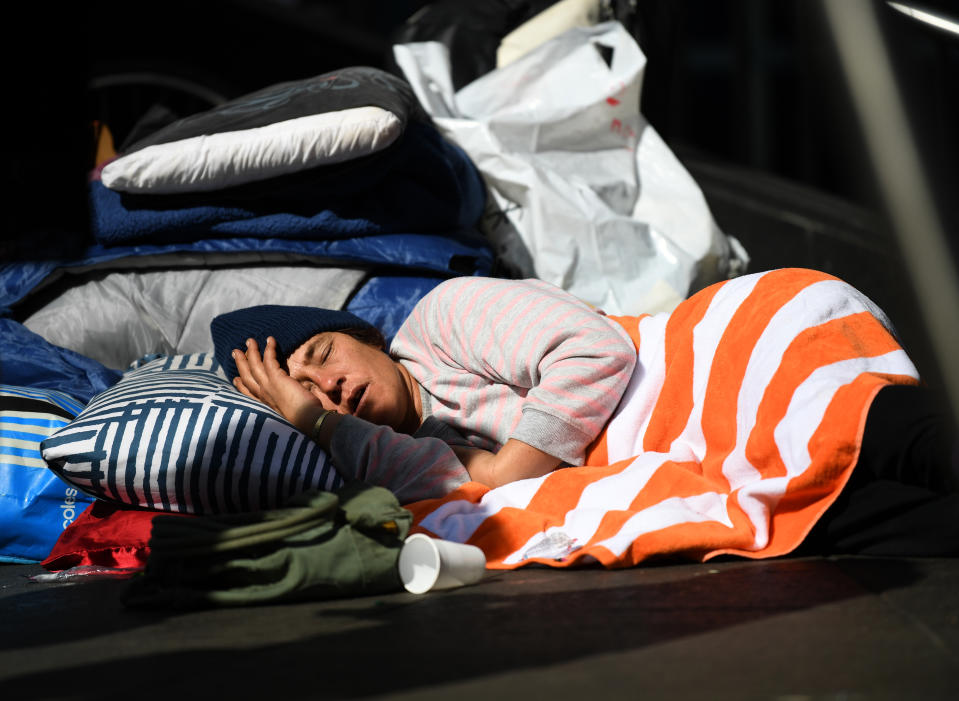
x=306, y=417
x=323, y=427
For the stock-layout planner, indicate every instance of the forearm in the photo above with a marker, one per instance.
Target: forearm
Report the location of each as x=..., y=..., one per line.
x=423, y=468
x=552, y=434
x=516, y=460
x=412, y=468
x=320, y=425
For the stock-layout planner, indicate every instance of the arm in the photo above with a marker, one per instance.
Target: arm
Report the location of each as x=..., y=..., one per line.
x=412, y=468
x=514, y=461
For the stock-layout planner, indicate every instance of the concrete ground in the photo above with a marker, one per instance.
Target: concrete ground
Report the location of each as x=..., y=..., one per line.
x=840, y=628
x=809, y=628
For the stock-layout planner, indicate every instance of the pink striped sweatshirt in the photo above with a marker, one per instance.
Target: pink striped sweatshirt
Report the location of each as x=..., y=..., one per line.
x=495, y=359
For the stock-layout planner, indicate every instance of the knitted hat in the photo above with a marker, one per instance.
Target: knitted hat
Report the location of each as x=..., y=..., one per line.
x=290, y=326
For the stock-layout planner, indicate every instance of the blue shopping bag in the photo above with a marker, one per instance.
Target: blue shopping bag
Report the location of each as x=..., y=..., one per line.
x=35, y=505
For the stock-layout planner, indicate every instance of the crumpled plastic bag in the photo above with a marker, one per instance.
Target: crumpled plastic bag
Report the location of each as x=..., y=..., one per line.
x=584, y=193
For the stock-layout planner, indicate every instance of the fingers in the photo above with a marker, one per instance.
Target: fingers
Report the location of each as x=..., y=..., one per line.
x=249, y=369
x=241, y=386
x=270, y=361
x=265, y=370
x=261, y=377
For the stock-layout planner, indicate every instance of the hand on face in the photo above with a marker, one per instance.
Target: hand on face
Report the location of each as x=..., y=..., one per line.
x=263, y=379
x=353, y=377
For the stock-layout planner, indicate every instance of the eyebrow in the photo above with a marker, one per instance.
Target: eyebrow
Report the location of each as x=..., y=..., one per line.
x=307, y=357
x=322, y=340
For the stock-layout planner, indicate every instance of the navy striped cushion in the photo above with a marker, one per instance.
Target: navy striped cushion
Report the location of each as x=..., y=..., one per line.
x=174, y=435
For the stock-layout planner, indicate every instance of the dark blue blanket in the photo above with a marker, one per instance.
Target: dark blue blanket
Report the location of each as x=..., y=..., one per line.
x=360, y=213
x=29, y=360
x=460, y=253
x=423, y=184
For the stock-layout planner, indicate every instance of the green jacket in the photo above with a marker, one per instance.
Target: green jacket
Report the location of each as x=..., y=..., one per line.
x=320, y=545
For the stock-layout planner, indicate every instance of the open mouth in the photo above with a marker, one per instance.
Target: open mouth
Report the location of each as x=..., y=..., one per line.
x=355, y=398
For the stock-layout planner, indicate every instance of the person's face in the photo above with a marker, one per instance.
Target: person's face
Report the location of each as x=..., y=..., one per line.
x=352, y=377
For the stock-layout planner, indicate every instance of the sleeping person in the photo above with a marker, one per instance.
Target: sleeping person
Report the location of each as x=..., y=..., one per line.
x=494, y=381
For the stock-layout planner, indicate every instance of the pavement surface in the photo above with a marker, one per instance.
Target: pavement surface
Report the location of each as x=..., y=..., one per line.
x=806, y=628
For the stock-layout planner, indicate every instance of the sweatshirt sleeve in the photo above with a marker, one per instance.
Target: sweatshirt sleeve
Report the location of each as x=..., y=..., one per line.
x=412, y=467
x=518, y=359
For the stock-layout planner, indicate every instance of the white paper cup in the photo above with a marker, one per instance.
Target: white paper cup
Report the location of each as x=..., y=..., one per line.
x=430, y=563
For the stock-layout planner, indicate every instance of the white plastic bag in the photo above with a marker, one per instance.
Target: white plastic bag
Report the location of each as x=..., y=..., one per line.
x=585, y=193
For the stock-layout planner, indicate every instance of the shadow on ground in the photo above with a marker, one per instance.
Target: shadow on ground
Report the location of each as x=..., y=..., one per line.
x=54, y=636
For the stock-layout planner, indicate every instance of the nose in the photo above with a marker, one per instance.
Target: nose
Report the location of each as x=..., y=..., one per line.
x=330, y=384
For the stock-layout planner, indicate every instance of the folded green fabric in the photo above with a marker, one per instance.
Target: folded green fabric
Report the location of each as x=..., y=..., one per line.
x=320, y=545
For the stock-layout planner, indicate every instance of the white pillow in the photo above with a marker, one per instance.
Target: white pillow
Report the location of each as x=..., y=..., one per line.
x=216, y=161
x=280, y=130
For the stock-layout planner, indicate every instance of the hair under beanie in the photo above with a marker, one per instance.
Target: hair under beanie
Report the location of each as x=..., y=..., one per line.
x=290, y=326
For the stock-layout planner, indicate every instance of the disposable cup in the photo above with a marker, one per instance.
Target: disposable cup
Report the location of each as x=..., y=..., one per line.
x=430, y=563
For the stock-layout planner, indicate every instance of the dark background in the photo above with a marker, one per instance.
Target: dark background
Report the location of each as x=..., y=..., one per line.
x=750, y=83
x=748, y=93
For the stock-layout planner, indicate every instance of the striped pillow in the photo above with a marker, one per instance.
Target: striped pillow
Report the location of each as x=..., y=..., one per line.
x=35, y=505
x=174, y=435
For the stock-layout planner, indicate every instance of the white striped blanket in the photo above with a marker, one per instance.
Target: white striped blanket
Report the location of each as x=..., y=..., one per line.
x=741, y=424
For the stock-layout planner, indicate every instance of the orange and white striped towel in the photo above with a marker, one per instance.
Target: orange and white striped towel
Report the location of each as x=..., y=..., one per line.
x=741, y=424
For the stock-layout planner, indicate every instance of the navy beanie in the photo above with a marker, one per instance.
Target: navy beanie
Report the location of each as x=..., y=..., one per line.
x=290, y=326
